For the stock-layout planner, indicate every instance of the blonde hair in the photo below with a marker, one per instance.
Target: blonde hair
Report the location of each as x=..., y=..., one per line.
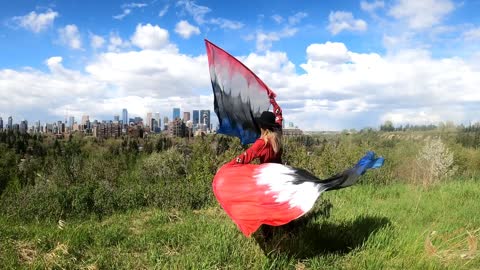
x=274, y=137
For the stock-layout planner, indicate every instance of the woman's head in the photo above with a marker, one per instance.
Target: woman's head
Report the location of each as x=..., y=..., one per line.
x=270, y=131
x=267, y=121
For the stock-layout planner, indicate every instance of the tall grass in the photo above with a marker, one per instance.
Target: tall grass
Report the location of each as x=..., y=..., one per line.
x=389, y=227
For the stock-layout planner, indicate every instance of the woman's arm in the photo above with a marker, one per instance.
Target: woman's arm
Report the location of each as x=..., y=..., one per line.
x=277, y=111
x=249, y=154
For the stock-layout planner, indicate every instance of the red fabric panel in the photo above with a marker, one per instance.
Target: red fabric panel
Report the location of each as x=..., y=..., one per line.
x=247, y=203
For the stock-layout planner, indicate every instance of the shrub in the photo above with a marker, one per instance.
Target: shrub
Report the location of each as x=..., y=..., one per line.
x=435, y=162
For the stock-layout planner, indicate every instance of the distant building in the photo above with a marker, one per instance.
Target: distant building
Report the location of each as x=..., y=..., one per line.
x=165, y=123
x=38, y=127
x=176, y=113
x=1, y=124
x=176, y=128
x=135, y=131
x=292, y=132
x=10, y=123
x=196, y=117
x=116, y=118
x=71, y=121
x=136, y=121
x=85, y=119
x=186, y=116
x=124, y=117
x=23, y=127
x=107, y=130
x=205, y=118
x=148, y=121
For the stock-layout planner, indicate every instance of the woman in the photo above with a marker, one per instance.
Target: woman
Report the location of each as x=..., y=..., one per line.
x=268, y=148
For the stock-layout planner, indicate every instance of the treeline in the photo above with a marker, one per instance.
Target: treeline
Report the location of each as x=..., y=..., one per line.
x=42, y=177
x=450, y=126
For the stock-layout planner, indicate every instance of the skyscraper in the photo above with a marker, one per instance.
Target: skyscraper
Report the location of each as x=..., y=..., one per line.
x=71, y=120
x=37, y=127
x=116, y=118
x=186, y=116
x=165, y=123
x=10, y=123
x=176, y=113
x=1, y=124
x=85, y=119
x=205, y=118
x=125, y=116
x=158, y=122
x=148, y=122
x=23, y=127
x=196, y=117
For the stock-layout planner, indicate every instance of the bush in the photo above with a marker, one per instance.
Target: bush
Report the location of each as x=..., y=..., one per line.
x=435, y=162
x=169, y=165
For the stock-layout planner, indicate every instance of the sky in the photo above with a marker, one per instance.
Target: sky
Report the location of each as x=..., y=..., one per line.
x=334, y=65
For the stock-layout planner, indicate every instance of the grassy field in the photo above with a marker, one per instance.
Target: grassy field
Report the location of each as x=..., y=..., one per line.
x=397, y=226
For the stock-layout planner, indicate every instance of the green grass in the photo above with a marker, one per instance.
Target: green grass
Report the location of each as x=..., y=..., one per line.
x=369, y=227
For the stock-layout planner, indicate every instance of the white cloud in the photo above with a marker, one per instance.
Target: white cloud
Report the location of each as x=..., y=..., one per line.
x=264, y=40
x=371, y=6
x=127, y=9
x=134, y=5
x=199, y=13
x=96, y=42
x=472, y=34
x=329, y=53
x=152, y=73
x=116, y=43
x=70, y=36
x=341, y=20
x=36, y=22
x=277, y=18
x=186, y=30
x=122, y=15
x=296, y=18
x=421, y=14
x=163, y=11
x=150, y=37
x=225, y=23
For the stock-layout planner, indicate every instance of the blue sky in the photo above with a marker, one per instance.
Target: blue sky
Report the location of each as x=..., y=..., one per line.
x=333, y=64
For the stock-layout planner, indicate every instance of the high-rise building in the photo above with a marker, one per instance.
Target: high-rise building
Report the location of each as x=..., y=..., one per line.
x=196, y=117
x=149, y=120
x=165, y=123
x=10, y=123
x=38, y=128
x=176, y=113
x=186, y=116
x=71, y=120
x=60, y=126
x=1, y=124
x=205, y=118
x=116, y=118
x=124, y=117
x=23, y=127
x=85, y=119
x=158, y=122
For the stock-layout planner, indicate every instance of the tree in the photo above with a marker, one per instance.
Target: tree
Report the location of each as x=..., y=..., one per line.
x=387, y=126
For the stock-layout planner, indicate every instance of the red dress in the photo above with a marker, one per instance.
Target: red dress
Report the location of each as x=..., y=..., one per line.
x=259, y=150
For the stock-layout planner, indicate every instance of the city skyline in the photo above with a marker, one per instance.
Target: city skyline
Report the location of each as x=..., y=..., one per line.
x=120, y=117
